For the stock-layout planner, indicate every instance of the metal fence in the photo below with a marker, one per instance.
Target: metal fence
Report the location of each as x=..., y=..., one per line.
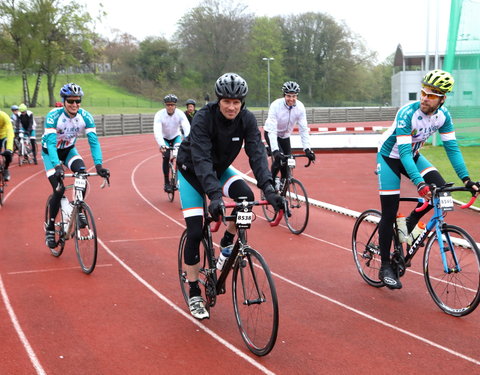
x=108, y=125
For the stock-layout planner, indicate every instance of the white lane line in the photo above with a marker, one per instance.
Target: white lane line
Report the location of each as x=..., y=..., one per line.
x=55, y=269
x=144, y=239
x=31, y=354
x=379, y=321
x=352, y=309
x=186, y=315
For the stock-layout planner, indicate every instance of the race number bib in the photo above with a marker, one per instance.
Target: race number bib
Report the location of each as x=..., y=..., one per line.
x=244, y=219
x=446, y=202
x=291, y=162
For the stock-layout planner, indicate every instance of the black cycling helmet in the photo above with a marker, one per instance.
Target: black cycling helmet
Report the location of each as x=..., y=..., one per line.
x=231, y=86
x=71, y=89
x=191, y=101
x=170, y=98
x=291, y=87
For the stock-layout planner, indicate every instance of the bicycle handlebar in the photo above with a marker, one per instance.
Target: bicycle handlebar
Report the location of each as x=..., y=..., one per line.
x=299, y=156
x=225, y=218
x=106, y=180
x=450, y=188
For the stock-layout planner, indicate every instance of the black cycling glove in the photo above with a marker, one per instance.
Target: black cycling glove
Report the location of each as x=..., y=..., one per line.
x=102, y=172
x=273, y=198
x=310, y=154
x=59, y=173
x=216, y=208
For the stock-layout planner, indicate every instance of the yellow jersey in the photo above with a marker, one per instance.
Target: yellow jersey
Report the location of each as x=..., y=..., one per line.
x=6, y=130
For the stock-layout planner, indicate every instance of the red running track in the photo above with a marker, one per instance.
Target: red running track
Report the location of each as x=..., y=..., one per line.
x=129, y=317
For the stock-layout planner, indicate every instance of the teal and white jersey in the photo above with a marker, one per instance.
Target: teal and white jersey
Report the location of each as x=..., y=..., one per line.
x=409, y=132
x=61, y=131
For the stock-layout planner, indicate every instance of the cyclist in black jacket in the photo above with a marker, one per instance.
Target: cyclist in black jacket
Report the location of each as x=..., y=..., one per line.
x=219, y=130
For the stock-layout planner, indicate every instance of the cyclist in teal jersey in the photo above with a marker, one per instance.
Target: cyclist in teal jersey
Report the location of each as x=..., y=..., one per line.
x=62, y=126
x=399, y=154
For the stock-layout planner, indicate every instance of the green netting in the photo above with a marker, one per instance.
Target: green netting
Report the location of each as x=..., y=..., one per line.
x=462, y=59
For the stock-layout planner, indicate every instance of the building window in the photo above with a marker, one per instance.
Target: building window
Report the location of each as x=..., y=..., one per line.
x=468, y=95
x=412, y=96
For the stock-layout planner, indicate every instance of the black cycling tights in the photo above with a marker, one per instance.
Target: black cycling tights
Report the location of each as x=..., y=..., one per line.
x=285, y=147
x=165, y=165
x=58, y=191
x=390, y=205
x=238, y=188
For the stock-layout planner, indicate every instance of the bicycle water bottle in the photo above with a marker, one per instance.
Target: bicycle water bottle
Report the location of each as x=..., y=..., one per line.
x=402, y=228
x=419, y=228
x=225, y=253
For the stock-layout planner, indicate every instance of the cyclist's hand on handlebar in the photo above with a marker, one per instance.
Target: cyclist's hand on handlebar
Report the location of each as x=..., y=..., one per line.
x=216, y=208
x=102, y=172
x=424, y=190
x=59, y=173
x=278, y=156
x=163, y=149
x=310, y=154
x=273, y=198
x=469, y=184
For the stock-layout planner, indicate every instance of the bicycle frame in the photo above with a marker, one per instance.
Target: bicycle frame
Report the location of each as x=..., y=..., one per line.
x=240, y=242
x=434, y=224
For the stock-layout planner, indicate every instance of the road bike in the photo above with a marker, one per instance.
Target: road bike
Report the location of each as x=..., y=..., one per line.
x=451, y=260
x=296, y=196
x=25, y=153
x=172, y=172
x=75, y=220
x=254, y=294
x=3, y=183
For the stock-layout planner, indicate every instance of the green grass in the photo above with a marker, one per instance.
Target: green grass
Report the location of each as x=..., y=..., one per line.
x=438, y=157
x=104, y=97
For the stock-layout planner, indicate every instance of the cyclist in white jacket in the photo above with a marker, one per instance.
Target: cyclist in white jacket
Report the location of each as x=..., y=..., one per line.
x=283, y=114
x=170, y=126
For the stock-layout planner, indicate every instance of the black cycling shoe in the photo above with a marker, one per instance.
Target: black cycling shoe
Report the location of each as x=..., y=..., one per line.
x=389, y=277
x=50, y=239
x=168, y=188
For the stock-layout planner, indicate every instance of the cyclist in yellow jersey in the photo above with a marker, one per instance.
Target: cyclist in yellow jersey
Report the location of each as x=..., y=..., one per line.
x=6, y=141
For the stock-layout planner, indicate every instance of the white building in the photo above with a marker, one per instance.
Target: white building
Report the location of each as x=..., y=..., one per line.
x=409, y=69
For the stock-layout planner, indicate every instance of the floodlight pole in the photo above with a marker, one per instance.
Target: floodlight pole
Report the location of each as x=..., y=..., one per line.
x=268, y=59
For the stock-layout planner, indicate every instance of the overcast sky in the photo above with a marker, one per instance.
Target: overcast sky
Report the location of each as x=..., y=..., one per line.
x=383, y=24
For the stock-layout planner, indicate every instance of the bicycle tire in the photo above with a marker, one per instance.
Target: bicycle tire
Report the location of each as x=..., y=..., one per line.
x=173, y=183
x=204, y=277
x=255, y=302
x=455, y=292
x=268, y=211
x=298, y=207
x=59, y=229
x=86, y=245
x=2, y=185
x=366, y=248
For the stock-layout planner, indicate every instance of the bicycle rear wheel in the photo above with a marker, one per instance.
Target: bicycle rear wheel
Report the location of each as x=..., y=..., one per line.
x=204, y=277
x=59, y=229
x=173, y=183
x=366, y=248
x=255, y=302
x=298, y=205
x=268, y=210
x=85, y=238
x=455, y=290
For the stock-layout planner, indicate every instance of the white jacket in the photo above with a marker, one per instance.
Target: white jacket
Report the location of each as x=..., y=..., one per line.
x=168, y=127
x=282, y=119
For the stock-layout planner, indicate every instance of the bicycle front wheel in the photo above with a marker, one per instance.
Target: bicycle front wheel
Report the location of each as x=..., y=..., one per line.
x=453, y=278
x=255, y=302
x=204, y=277
x=173, y=182
x=296, y=196
x=59, y=229
x=85, y=238
x=366, y=248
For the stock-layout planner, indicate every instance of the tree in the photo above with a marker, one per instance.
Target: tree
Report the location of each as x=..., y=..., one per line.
x=264, y=40
x=157, y=60
x=213, y=39
x=320, y=56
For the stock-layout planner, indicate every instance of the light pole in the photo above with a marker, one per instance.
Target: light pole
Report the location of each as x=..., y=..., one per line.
x=268, y=59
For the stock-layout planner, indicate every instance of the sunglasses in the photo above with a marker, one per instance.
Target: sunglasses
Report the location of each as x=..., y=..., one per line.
x=431, y=95
x=71, y=101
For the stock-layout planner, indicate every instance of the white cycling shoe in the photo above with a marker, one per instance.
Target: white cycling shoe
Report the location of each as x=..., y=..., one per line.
x=197, y=308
